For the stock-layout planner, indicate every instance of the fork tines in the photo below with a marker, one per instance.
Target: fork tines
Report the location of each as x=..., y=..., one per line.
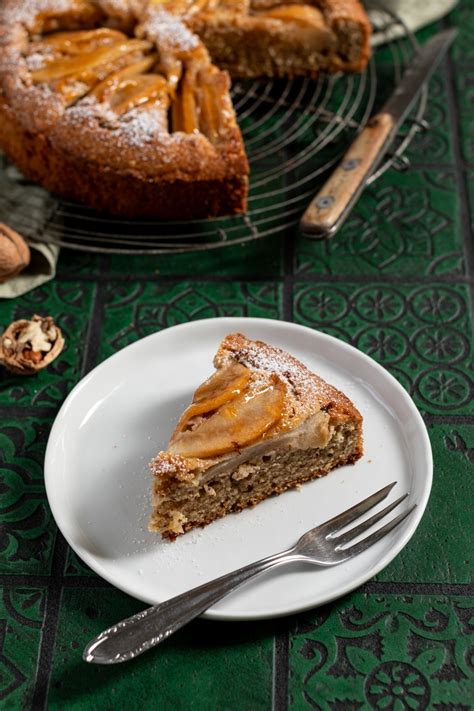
x=332, y=528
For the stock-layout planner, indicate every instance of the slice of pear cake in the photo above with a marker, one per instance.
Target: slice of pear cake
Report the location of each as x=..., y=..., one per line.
x=261, y=424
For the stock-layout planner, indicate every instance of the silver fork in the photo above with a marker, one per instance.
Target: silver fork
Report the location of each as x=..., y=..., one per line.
x=320, y=545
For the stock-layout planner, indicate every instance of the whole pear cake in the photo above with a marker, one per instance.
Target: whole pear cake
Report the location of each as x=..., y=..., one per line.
x=125, y=105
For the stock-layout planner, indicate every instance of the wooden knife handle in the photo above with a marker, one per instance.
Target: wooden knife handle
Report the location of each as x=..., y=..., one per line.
x=328, y=210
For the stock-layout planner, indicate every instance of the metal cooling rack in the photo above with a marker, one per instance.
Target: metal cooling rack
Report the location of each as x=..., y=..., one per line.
x=294, y=131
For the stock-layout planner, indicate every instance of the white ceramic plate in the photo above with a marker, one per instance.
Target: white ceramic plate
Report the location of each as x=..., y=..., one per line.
x=123, y=412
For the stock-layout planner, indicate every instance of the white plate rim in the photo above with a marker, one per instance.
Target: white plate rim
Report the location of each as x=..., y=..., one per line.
x=235, y=324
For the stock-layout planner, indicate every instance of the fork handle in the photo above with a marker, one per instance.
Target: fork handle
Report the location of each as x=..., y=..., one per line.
x=146, y=629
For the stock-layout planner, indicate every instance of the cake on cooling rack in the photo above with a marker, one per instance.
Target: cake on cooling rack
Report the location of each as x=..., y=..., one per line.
x=261, y=424
x=118, y=104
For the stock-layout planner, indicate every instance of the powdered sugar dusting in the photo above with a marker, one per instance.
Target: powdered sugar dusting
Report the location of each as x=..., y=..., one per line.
x=167, y=465
x=37, y=60
x=168, y=32
x=136, y=128
x=142, y=126
x=260, y=356
x=26, y=11
x=170, y=465
x=140, y=137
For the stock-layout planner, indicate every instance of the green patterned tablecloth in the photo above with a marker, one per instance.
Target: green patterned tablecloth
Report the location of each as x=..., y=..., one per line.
x=401, y=292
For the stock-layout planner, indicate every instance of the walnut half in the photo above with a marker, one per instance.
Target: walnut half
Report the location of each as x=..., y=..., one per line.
x=28, y=346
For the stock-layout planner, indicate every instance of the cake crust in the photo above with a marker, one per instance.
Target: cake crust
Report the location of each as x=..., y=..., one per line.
x=133, y=168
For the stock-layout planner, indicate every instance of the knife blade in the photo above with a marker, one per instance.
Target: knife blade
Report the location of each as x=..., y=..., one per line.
x=330, y=207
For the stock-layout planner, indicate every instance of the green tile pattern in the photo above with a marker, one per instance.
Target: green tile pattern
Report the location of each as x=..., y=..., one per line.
x=462, y=18
x=21, y=619
x=421, y=334
x=436, y=553
x=72, y=264
x=405, y=225
x=465, y=93
x=27, y=531
x=435, y=145
x=134, y=309
x=204, y=667
x=383, y=652
x=397, y=282
x=74, y=566
x=259, y=259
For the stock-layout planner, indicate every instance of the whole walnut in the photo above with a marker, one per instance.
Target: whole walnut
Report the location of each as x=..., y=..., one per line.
x=14, y=253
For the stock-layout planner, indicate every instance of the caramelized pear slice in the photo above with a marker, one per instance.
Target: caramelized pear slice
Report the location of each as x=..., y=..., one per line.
x=77, y=64
x=234, y=376
x=113, y=82
x=212, y=87
x=235, y=425
x=184, y=112
x=82, y=40
x=135, y=91
x=74, y=87
x=224, y=385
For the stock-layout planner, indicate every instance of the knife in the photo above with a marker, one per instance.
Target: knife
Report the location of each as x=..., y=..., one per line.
x=328, y=210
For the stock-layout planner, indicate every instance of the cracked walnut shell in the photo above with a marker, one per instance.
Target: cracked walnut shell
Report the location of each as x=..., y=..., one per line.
x=14, y=253
x=28, y=346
